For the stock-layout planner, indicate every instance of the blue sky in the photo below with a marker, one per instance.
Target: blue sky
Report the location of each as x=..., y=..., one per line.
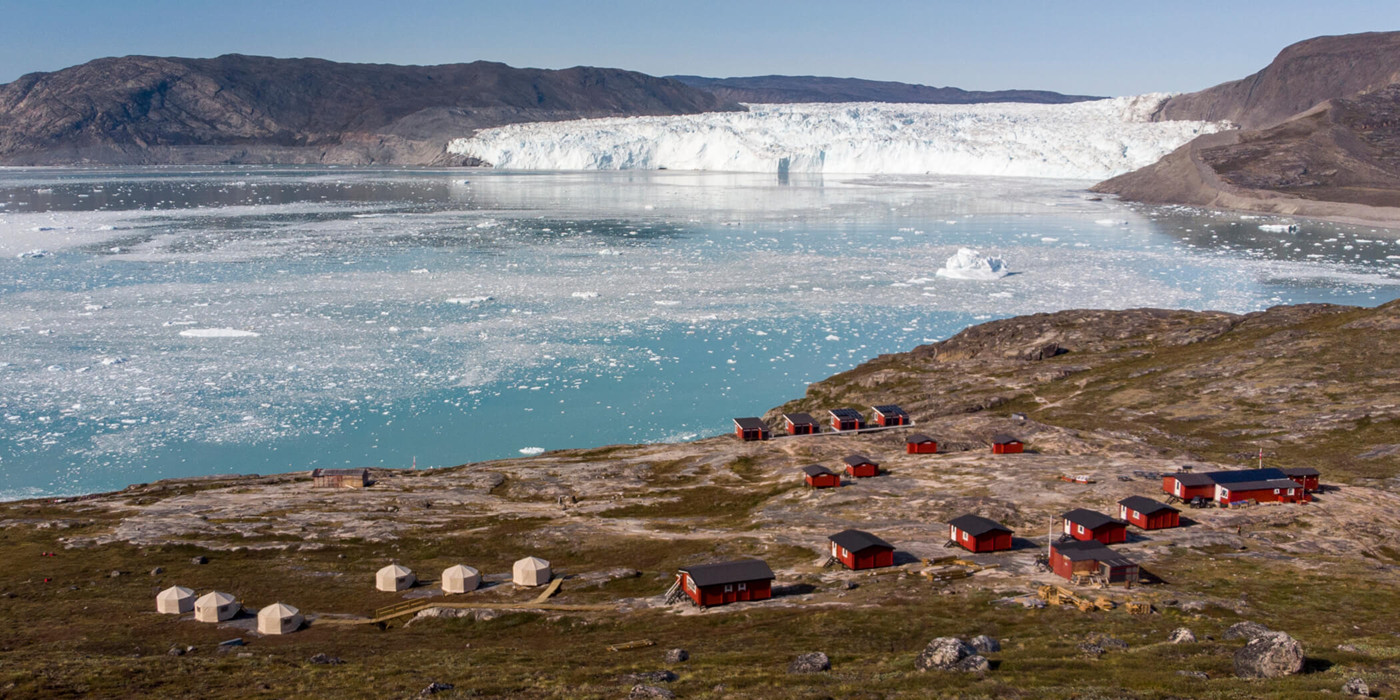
x=1103, y=48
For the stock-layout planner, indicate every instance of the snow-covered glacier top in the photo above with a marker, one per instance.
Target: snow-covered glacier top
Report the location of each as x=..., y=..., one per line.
x=1088, y=140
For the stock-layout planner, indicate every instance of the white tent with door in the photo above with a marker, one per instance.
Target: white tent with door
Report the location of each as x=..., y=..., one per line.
x=216, y=607
x=531, y=571
x=175, y=600
x=279, y=618
x=460, y=579
x=394, y=578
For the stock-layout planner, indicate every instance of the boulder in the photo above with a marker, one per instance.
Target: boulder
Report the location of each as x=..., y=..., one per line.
x=1112, y=644
x=649, y=677
x=325, y=659
x=1246, y=631
x=1356, y=686
x=201, y=559
x=157, y=571
x=943, y=654
x=650, y=692
x=1199, y=675
x=676, y=656
x=1271, y=656
x=984, y=644
x=814, y=662
x=434, y=688
x=976, y=663
x=1182, y=635
x=1091, y=650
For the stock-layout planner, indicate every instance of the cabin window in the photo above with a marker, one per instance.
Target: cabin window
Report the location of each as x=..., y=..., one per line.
x=1081, y=529
x=743, y=586
x=1290, y=492
x=964, y=536
x=690, y=583
x=1276, y=492
x=728, y=588
x=1137, y=514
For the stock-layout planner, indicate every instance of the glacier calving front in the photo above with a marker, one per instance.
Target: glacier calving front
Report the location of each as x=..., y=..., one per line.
x=1084, y=140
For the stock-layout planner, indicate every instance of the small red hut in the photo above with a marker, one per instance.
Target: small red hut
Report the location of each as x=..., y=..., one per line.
x=749, y=429
x=1084, y=524
x=857, y=550
x=1307, y=477
x=846, y=419
x=727, y=582
x=819, y=477
x=890, y=414
x=1074, y=558
x=800, y=424
x=978, y=534
x=1148, y=514
x=1003, y=444
x=1187, y=485
x=860, y=466
x=920, y=444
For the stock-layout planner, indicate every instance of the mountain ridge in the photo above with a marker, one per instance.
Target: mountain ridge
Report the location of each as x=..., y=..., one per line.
x=809, y=88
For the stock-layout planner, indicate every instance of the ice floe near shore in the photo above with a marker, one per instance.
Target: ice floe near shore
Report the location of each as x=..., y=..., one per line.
x=1085, y=140
x=968, y=264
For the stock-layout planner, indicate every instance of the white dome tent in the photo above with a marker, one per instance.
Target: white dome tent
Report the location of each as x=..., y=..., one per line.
x=531, y=571
x=175, y=600
x=394, y=578
x=216, y=607
x=279, y=618
x=460, y=579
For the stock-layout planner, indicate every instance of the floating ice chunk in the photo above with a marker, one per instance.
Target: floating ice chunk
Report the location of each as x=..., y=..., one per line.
x=218, y=333
x=1111, y=222
x=531, y=451
x=665, y=302
x=608, y=251
x=584, y=295
x=968, y=264
x=468, y=301
x=113, y=360
x=1278, y=228
x=833, y=337
x=36, y=253
x=1047, y=239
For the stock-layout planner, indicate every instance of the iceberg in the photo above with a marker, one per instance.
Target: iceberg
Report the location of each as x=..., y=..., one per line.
x=968, y=264
x=218, y=333
x=1082, y=140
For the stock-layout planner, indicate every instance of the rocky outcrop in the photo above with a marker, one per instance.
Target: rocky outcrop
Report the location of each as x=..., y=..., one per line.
x=254, y=109
x=1182, y=635
x=814, y=662
x=1271, y=655
x=805, y=88
x=951, y=654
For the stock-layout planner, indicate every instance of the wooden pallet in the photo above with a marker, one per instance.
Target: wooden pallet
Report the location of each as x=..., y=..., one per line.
x=627, y=646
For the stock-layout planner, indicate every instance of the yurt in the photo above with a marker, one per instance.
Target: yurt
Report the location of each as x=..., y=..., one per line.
x=175, y=600
x=460, y=579
x=215, y=607
x=531, y=571
x=279, y=618
x=394, y=578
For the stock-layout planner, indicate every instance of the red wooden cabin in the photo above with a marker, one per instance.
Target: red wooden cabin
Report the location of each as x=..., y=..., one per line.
x=1084, y=524
x=1188, y=485
x=920, y=444
x=857, y=550
x=978, y=534
x=1307, y=477
x=890, y=414
x=749, y=429
x=1074, y=558
x=1003, y=444
x=846, y=419
x=727, y=582
x=860, y=466
x=1148, y=514
x=819, y=477
x=1266, y=491
x=800, y=424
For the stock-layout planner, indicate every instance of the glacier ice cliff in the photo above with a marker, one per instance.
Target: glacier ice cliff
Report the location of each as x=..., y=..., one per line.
x=1085, y=140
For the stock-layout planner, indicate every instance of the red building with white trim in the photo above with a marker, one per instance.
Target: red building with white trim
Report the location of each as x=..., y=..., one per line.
x=1004, y=444
x=890, y=414
x=800, y=424
x=819, y=477
x=846, y=419
x=860, y=466
x=1307, y=477
x=1084, y=524
x=920, y=444
x=1069, y=559
x=1148, y=514
x=727, y=582
x=857, y=549
x=978, y=534
x=749, y=429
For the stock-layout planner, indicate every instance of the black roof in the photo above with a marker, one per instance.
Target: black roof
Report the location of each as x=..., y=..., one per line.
x=800, y=418
x=977, y=525
x=890, y=409
x=729, y=572
x=1146, y=506
x=1262, y=485
x=1003, y=438
x=1090, y=550
x=854, y=460
x=339, y=472
x=1192, y=479
x=919, y=437
x=848, y=413
x=1301, y=471
x=751, y=423
x=817, y=470
x=858, y=540
x=1089, y=518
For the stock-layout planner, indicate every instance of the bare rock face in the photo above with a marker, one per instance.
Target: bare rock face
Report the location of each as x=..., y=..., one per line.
x=1356, y=686
x=943, y=654
x=1273, y=655
x=650, y=692
x=814, y=662
x=676, y=656
x=1182, y=635
x=1246, y=630
x=984, y=644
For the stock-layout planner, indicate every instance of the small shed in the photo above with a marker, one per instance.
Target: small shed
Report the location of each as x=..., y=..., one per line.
x=1006, y=444
x=1264, y=491
x=216, y=607
x=860, y=466
x=920, y=444
x=339, y=478
x=846, y=419
x=1188, y=485
x=750, y=429
x=890, y=414
x=460, y=579
x=857, y=549
x=531, y=571
x=800, y=424
x=394, y=578
x=1075, y=558
x=819, y=477
x=175, y=600
x=1307, y=477
x=727, y=582
x=978, y=534
x=1084, y=524
x=1148, y=514
x=279, y=618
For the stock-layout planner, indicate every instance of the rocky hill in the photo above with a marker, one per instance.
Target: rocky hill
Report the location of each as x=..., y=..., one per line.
x=253, y=109
x=806, y=88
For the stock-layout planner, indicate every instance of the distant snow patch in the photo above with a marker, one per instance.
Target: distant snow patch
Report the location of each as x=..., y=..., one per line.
x=531, y=451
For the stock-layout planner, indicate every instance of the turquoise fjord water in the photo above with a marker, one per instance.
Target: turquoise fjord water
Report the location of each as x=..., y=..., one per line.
x=176, y=322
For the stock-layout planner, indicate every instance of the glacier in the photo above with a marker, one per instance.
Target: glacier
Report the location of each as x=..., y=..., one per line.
x=1083, y=140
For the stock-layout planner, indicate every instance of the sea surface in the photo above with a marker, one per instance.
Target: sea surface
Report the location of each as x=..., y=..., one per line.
x=176, y=322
